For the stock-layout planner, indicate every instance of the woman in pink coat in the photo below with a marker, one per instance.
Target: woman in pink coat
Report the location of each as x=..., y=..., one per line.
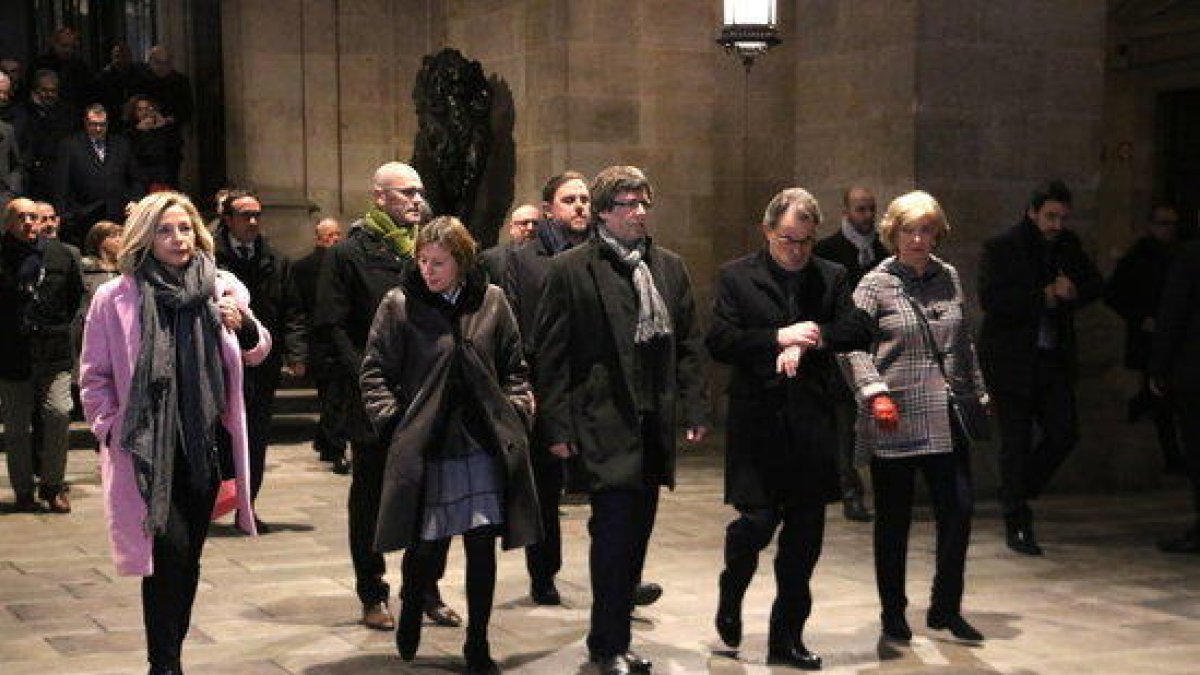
x=160, y=377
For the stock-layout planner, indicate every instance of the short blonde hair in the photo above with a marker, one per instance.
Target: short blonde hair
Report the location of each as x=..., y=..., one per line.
x=138, y=238
x=907, y=208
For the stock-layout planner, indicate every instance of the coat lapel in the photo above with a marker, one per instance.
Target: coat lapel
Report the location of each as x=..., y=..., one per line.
x=761, y=279
x=619, y=319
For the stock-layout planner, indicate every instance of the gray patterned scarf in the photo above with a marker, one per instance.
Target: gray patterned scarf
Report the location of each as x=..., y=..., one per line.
x=653, y=318
x=178, y=389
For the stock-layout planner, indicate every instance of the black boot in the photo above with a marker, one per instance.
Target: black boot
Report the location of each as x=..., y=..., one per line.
x=895, y=626
x=478, y=656
x=956, y=624
x=408, y=629
x=854, y=507
x=1018, y=530
x=729, y=612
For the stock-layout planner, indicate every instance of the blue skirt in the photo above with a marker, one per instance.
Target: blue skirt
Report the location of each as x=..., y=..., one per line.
x=462, y=493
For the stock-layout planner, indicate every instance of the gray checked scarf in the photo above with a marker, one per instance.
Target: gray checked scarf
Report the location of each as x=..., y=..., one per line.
x=863, y=242
x=653, y=318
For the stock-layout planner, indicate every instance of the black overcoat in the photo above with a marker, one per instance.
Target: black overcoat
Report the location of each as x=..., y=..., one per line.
x=585, y=352
x=409, y=353
x=780, y=445
x=1011, y=279
x=1175, y=357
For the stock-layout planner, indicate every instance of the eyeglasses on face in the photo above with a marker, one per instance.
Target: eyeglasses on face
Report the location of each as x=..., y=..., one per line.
x=786, y=240
x=52, y=217
x=634, y=203
x=408, y=192
x=248, y=214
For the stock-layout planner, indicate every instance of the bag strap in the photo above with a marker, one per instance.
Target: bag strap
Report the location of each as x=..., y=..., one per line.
x=927, y=332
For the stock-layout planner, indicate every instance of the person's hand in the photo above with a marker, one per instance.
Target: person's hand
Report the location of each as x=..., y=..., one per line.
x=561, y=450
x=695, y=434
x=230, y=313
x=1064, y=288
x=788, y=361
x=885, y=412
x=297, y=369
x=804, y=334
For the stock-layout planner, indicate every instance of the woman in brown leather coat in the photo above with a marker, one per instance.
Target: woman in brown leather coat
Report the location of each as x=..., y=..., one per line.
x=444, y=379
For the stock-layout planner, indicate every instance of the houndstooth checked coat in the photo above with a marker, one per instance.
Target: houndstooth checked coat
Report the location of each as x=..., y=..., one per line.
x=901, y=364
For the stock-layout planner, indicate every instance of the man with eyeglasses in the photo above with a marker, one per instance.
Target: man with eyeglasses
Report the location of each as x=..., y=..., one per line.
x=41, y=287
x=41, y=122
x=355, y=275
x=521, y=223
x=617, y=349
x=97, y=177
x=242, y=249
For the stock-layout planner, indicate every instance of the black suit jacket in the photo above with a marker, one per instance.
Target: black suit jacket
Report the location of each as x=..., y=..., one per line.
x=89, y=189
x=780, y=443
x=837, y=248
x=1175, y=358
x=274, y=298
x=1011, y=279
x=585, y=353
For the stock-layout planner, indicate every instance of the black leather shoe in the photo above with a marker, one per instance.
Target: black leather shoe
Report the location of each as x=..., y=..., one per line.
x=479, y=658
x=261, y=527
x=853, y=508
x=637, y=663
x=442, y=615
x=729, y=627
x=408, y=630
x=895, y=626
x=1188, y=542
x=958, y=626
x=647, y=594
x=795, y=655
x=545, y=594
x=164, y=670
x=1021, y=540
x=612, y=665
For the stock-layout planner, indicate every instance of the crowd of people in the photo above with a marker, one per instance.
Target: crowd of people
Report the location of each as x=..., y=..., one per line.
x=464, y=391
x=91, y=143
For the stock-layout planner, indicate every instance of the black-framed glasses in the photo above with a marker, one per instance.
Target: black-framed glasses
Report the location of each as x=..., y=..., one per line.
x=408, y=192
x=634, y=203
x=793, y=241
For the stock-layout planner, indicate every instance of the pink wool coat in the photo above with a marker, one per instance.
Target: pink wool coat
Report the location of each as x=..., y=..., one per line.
x=111, y=342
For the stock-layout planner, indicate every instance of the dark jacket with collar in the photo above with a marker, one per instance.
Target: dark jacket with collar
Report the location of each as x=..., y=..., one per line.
x=780, y=443
x=1134, y=291
x=1175, y=358
x=837, y=248
x=423, y=356
x=585, y=361
x=274, y=298
x=355, y=276
x=39, y=130
x=35, y=321
x=1011, y=282
x=89, y=189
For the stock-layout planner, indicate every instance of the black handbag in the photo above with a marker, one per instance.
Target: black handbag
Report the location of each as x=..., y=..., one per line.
x=967, y=410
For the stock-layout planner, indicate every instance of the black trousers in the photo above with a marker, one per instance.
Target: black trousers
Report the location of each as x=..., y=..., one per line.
x=1187, y=407
x=334, y=393
x=795, y=558
x=544, y=559
x=845, y=416
x=948, y=476
x=167, y=595
x=1049, y=409
x=259, y=390
x=425, y=563
x=620, y=528
x=366, y=487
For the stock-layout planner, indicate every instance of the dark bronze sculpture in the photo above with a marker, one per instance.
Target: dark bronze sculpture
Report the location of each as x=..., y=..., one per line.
x=454, y=105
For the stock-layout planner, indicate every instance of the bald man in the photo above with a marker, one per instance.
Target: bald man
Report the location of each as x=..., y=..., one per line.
x=355, y=275
x=333, y=390
x=521, y=224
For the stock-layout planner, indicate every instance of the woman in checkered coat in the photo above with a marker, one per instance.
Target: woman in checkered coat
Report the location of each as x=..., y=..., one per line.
x=904, y=417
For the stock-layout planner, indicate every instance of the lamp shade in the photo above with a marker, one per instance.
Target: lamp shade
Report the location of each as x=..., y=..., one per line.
x=749, y=13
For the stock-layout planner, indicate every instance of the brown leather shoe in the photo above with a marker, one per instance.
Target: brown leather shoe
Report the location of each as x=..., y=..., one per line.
x=59, y=502
x=376, y=616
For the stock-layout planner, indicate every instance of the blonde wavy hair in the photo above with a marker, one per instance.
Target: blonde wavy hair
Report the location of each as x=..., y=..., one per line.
x=138, y=238
x=905, y=209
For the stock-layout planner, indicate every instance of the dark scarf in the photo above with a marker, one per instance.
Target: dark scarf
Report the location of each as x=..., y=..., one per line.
x=550, y=233
x=178, y=390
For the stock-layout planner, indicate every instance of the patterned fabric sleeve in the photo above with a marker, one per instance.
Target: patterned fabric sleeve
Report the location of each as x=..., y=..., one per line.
x=859, y=365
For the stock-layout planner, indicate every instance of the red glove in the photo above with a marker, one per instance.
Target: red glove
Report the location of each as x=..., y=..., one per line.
x=885, y=412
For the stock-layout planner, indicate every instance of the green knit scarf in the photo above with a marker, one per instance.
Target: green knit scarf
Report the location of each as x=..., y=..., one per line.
x=401, y=239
